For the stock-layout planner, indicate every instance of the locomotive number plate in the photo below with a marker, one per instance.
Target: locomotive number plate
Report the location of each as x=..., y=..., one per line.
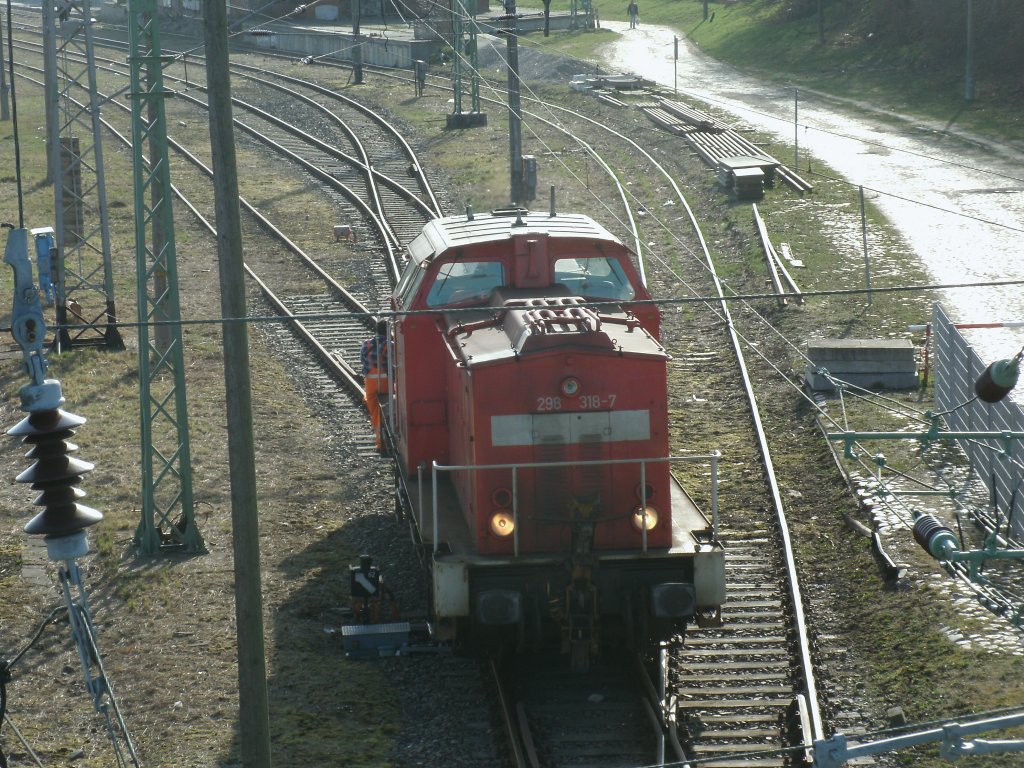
x=585, y=403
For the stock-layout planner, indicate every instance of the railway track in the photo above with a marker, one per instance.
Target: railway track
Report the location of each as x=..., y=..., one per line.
x=382, y=212
x=607, y=718
x=729, y=686
x=737, y=689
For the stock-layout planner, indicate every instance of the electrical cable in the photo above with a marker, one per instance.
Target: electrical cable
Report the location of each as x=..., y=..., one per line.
x=38, y=633
x=769, y=325
x=655, y=302
x=696, y=95
x=110, y=703
x=940, y=209
x=592, y=154
x=894, y=196
x=5, y=676
x=759, y=353
x=24, y=742
x=880, y=192
x=678, y=301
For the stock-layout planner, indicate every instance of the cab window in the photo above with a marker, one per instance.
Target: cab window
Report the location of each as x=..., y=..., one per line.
x=409, y=285
x=594, y=278
x=458, y=282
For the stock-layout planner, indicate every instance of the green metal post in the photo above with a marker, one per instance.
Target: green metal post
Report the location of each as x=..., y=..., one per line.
x=458, y=13
x=469, y=6
x=464, y=46
x=168, y=514
x=75, y=146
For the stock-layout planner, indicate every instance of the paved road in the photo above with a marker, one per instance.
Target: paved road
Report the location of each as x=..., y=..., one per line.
x=958, y=202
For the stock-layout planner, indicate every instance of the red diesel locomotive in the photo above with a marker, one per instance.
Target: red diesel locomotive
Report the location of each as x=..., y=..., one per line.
x=528, y=416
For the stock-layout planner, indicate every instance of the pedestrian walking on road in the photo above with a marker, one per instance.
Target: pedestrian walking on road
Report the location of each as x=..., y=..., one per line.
x=634, y=14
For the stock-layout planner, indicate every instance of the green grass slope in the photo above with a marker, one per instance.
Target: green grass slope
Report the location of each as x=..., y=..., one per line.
x=906, y=56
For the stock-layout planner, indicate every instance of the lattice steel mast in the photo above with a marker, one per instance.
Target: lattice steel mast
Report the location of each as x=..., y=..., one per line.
x=464, y=53
x=84, y=280
x=168, y=514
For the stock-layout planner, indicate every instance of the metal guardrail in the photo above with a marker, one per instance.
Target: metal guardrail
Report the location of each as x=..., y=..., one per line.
x=957, y=367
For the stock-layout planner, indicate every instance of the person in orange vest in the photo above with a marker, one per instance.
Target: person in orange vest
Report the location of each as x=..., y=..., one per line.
x=374, y=354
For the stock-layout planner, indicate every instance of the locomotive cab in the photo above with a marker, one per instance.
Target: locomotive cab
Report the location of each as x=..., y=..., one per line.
x=530, y=418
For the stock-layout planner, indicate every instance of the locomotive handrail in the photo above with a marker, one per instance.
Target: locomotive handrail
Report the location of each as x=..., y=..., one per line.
x=712, y=457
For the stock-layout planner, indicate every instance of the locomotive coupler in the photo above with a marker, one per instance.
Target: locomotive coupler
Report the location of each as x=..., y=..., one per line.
x=579, y=630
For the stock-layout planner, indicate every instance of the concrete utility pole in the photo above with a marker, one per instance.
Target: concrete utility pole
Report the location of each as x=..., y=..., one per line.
x=969, y=77
x=254, y=718
x=357, y=49
x=5, y=104
x=796, y=129
x=515, y=114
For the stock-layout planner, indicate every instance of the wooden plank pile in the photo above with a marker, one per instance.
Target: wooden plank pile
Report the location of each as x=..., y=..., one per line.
x=747, y=183
x=714, y=140
x=664, y=120
x=693, y=117
x=607, y=98
x=746, y=176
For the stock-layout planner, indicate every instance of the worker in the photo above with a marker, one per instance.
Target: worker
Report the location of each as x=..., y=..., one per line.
x=374, y=354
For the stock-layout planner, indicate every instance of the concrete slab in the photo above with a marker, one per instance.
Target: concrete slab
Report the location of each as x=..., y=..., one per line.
x=867, y=363
x=819, y=383
x=823, y=351
x=866, y=366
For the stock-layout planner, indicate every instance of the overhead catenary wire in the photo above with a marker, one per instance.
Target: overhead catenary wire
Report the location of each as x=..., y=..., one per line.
x=703, y=97
x=24, y=742
x=631, y=226
x=989, y=284
x=867, y=142
x=219, y=321
x=676, y=301
x=905, y=517
x=222, y=321
x=681, y=244
x=769, y=363
x=767, y=325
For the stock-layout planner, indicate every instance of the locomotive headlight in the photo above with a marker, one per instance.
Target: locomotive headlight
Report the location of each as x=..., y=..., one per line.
x=570, y=386
x=502, y=524
x=645, y=516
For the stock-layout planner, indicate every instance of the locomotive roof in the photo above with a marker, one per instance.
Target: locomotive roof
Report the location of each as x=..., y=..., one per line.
x=459, y=231
x=543, y=324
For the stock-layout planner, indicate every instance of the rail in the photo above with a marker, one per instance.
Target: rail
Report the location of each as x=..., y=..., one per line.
x=712, y=458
